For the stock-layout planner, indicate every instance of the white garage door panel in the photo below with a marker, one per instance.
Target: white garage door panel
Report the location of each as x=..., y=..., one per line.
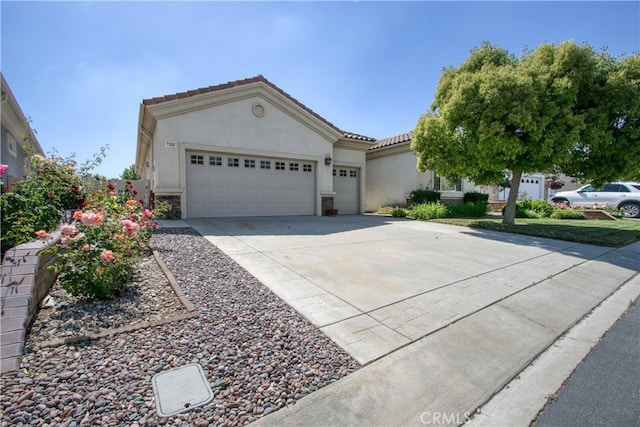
x=346, y=184
x=221, y=190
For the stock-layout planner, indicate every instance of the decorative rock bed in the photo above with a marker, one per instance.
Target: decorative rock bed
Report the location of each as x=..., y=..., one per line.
x=258, y=354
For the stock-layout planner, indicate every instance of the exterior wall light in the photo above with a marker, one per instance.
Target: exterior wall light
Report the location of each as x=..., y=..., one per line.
x=327, y=159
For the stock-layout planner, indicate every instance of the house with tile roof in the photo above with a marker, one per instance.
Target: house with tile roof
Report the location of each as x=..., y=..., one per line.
x=247, y=148
x=18, y=139
x=392, y=175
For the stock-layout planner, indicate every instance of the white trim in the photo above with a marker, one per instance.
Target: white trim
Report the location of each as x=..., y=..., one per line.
x=400, y=148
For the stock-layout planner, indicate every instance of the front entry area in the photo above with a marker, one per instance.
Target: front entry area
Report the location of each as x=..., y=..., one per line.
x=226, y=185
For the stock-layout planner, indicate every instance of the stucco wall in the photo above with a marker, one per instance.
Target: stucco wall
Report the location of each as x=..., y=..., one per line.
x=15, y=160
x=392, y=175
x=14, y=123
x=391, y=178
x=234, y=128
x=346, y=157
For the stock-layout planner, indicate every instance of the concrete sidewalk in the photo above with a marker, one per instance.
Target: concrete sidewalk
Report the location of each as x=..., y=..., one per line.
x=442, y=317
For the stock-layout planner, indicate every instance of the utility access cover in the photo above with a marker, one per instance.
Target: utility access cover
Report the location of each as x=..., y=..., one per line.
x=181, y=389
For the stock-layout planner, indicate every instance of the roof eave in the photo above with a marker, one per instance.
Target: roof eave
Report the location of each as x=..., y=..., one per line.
x=390, y=150
x=264, y=89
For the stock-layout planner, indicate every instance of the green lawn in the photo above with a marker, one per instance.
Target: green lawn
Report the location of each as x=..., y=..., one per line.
x=593, y=232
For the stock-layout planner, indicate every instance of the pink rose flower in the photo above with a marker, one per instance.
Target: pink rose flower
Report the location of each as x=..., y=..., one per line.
x=91, y=218
x=130, y=228
x=42, y=234
x=68, y=230
x=107, y=255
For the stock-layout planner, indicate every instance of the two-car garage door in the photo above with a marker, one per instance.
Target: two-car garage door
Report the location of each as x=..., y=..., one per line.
x=234, y=185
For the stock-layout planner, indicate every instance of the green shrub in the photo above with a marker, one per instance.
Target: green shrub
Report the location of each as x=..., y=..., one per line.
x=468, y=210
x=385, y=210
x=421, y=196
x=38, y=200
x=475, y=197
x=529, y=208
x=429, y=211
x=568, y=214
x=399, y=212
x=164, y=210
x=527, y=213
x=542, y=207
x=23, y=215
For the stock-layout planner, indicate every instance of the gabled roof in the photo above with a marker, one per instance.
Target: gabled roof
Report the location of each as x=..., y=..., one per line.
x=256, y=79
x=14, y=119
x=392, y=140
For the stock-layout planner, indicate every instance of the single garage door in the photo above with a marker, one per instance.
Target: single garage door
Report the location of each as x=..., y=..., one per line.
x=346, y=184
x=234, y=185
x=531, y=187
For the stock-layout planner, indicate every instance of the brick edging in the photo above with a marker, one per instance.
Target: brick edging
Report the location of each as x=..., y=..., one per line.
x=24, y=281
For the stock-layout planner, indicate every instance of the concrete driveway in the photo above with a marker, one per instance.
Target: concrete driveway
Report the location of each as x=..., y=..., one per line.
x=441, y=316
x=374, y=284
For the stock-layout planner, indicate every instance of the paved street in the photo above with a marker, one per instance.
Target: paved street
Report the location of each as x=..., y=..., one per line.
x=605, y=389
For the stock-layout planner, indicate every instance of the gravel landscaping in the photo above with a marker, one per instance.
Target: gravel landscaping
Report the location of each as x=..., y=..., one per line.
x=258, y=354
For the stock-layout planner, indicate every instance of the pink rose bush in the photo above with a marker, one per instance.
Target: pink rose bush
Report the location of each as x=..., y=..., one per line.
x=97, y=253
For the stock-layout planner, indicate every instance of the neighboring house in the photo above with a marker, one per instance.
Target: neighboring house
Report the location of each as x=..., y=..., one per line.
x=18, y=139
x=247, y=148
x=392, y=175
x=533, y=186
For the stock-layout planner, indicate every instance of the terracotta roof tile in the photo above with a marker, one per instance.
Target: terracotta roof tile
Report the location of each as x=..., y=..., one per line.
x=392, y=140
x=258, y=78
x=357, y=136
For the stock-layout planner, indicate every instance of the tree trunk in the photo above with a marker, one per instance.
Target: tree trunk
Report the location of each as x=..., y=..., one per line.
x=509, y=217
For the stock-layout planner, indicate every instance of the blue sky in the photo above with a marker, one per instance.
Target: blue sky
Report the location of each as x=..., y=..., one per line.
x=81, y=69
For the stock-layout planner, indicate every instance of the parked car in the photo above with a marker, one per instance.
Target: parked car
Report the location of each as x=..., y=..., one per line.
x=621, y=195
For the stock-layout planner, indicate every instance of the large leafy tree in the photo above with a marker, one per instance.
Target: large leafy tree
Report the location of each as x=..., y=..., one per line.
x=129, y=173
x=609, y=105
x=496, y=116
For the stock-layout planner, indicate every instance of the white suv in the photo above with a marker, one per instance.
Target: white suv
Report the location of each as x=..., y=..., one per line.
x=621, y=195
